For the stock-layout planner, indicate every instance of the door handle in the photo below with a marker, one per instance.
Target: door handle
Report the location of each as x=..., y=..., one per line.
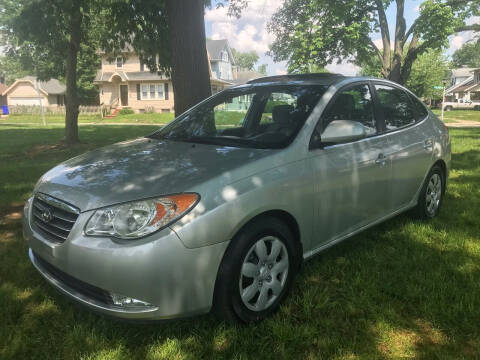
x=381, y=160
x=428, y=145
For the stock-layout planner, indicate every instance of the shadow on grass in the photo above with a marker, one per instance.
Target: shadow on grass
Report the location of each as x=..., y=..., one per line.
x=402, y=289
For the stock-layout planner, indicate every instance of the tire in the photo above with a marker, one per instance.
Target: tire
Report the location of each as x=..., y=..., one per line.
x=448, y=108
x=431, y=195
x=476, y=107
x=260, y=279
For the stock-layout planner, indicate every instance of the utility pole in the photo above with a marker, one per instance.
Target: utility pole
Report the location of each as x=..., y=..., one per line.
x=41, y=104
x=443, y=97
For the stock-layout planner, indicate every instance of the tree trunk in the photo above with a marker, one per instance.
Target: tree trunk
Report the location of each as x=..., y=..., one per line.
x=71, y=98
x=385, y=59
x=190, y=75
x=400, y=28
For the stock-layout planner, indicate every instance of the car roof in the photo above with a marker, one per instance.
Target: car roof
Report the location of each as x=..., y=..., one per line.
x=299, y=79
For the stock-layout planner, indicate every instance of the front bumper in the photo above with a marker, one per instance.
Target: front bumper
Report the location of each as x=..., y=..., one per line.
x=159, y=270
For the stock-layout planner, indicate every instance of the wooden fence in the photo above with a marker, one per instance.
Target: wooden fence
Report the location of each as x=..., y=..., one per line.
x=54, y=110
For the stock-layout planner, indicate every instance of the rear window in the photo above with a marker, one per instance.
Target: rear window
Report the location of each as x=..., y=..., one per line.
x=420, y=110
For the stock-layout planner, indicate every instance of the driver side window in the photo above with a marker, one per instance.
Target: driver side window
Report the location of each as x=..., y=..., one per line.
x=354, y=104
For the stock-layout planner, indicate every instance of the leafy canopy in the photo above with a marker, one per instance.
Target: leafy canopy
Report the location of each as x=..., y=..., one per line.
x=467, y=56
x=245, y=60
x=319, y=32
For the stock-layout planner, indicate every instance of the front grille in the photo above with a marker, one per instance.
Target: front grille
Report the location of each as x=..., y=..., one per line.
x=87, y=290
x=52, y=218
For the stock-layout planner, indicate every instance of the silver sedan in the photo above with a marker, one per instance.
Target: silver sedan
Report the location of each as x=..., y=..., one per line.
x=218, y=209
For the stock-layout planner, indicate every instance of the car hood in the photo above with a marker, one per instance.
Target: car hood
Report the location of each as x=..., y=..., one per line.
x=143, y=168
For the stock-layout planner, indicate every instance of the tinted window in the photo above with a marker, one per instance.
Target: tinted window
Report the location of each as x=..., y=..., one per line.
x=420, y=111
x=354, y=103
x=263, y=117
x=396, y=106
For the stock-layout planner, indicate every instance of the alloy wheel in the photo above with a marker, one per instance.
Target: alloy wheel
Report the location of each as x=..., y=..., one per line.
x=264, y=273
x=434, y=194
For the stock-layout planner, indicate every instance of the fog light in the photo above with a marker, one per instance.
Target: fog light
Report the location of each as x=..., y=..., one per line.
x=125, y=301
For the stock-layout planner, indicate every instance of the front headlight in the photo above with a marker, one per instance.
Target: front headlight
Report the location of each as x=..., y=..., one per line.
x=140, y=218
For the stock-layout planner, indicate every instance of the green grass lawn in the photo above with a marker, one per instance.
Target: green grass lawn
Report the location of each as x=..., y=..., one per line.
x=145, y=118
x=459, y=115
x=400, y=290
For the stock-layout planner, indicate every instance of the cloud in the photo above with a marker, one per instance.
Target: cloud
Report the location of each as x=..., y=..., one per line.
x=344, y=68
x=249, y=33
x=456, y=42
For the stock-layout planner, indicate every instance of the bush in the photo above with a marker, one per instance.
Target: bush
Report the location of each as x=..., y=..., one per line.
x=126, y=111
x=149, y=109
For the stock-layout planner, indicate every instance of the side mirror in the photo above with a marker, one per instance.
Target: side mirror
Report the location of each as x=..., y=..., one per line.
x=339, y=131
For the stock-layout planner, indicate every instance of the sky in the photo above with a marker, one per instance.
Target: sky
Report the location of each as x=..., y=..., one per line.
x=250, y=33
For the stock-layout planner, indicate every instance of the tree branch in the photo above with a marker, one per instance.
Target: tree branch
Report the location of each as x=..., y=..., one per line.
x=472, y=27
x=385, y=59
x=376, y=49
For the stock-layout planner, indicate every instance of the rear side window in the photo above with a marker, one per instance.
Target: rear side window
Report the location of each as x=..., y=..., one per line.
x=420, y=111
x=396, y=105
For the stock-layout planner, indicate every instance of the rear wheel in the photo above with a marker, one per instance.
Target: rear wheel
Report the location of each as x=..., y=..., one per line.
x=256, y=272
x=431, y=195
x=448, y=108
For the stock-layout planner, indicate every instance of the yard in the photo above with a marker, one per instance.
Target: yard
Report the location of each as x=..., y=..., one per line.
x=459, y=115
x=402, y=289
x=145, y=118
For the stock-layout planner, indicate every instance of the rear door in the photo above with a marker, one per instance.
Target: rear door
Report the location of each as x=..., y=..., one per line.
x=352, y=179
x=410, y=142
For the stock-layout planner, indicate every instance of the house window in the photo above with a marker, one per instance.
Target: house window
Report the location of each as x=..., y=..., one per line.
x=153, y=92
x=119, y=62
x=144, y=92
x=224, y=56
x=160, y=91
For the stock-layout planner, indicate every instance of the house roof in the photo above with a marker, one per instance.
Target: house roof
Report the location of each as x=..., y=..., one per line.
x=215, y=47
x=129, y=76
x=462, y=88
x=467, y=82
x=244, y=76
x=50, y=87
x=462, y=72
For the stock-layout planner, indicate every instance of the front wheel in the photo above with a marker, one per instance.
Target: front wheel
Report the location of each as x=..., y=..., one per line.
x=256, y=272
x=431, y=195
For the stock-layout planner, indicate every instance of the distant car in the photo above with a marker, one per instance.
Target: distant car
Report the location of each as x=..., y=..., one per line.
x=461, y=105
x=218, y=209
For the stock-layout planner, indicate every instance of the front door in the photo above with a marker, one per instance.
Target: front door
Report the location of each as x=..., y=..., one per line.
x=124, y=95
x=352, y=179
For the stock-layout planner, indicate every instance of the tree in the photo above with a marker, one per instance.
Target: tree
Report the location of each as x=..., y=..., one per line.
x=12, y=69
x=262, y=69
x=428, y=72
x=169, y=36
x=320, y=32
x=245, y=60
x=47, y=36
x=467, y=56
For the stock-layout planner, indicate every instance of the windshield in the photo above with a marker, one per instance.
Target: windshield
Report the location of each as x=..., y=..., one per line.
x=261, y=117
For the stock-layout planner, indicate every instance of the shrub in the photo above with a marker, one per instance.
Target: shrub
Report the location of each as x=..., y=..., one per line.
x=149, y=109
x=126, y=111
